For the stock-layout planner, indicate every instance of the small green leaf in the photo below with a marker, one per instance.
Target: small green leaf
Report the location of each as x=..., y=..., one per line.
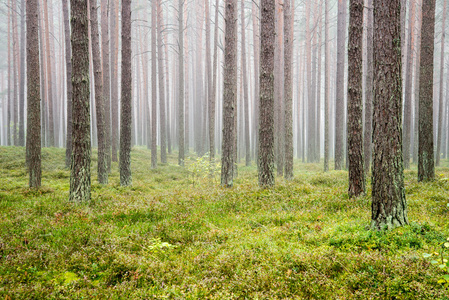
x=441, y=281
x=445, y=277
x=433, y=262
x=446, y=244
x=442, y=266
x=426, y=255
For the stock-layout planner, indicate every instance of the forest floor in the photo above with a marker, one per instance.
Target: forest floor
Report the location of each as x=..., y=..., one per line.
x=169, y=236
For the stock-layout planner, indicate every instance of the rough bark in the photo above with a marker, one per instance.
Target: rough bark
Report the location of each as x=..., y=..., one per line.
x=81, y=150
x=99, y=101
x=416, y=81
x=114, y=77
x=50, y=100
x=126, y=97
x=339, y=105
x=369, y=89
x=245, y=90
x=389, y=207
x=426, y=166
x=440, y=98
x=355, y=103
x=288, y=90
x=68, y=62
x=266, y=113
x=229, y=94
x=33, y=96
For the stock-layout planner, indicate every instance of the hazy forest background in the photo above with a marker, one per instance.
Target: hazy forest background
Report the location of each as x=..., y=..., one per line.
x=224, y=149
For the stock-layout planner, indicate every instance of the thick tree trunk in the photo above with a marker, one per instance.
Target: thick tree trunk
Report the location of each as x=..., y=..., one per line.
x=355, y=102
x=288, y=89
x=440, y=98
x=162, y=124
x=339, y=107
x=102, y=166
x=389, y=207
x=229, y=94
x=426, y=166
x=81, y=150
x=266, y=113
x=126, y=97
x=33, y=96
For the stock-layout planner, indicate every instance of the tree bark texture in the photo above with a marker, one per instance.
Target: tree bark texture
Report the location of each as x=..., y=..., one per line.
x=326, y=87
x=355, y=102
x=389, y=207
x=33, y=95
x=106, y=78
x=369, y=89
x=114, y=40
x=266, y=108
x=288, y=90
x=160, y=53
x=426, y=166
x=213, y=94
x=245, y=90
x=22, y=76
x=69, y=90
x=126, y=97
x=81, y=148
x=229, y=94
x=102, y=167
x=153, y=85
x=440, y=98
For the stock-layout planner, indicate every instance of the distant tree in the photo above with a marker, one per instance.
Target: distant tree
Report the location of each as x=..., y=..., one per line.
x=229, y=94
x=106, y=71
x=266, y=107
x=326, y=87
x=33, y=96
x=389, y=206
x=181, y=140
x=288, y=90
x=441, y=88
x=339, y=106
x=153, y=84
x=355, y=102
x=102, y=166
x=213, y=92
x=160, y=55
x=426, y=166
x=114, y=44
x=245, y=89
x=69, y=90
x=81, y=148
x=126, y=97
x=22, y=76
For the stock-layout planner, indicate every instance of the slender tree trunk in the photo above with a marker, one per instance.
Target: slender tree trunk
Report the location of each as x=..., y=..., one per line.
x=213, y=94
x=389, y=207
x=229, y=94
x=426, y=166
x=114, y=29
x=22, y=76
x=417, y=82
x=51, y=131
x=245, y=90
x=266, y=113
x=81, y=151
x=8, y=114
x=440, y=98
x=68, y=61
x=355, y=102
x=102, y=166
x=326, y=86
x=33, y=95
x=181, y=139
x=288, y=90
x=126, y=97
x=162, y=123
x=16, y=67
x=106, y=78
x=153, y=86
x=318, y=87
x=256, y=42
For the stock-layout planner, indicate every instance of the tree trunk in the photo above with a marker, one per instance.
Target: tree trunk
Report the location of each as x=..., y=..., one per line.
x=106, y=78
x=266, y=113
x=256, y=42
x=99, y=100
x=416, y=81
x=22, y=76
x=408, y=87
x=51, y=131
x=181, y=139
x=229, y=94
x=326, y=86
x=68, y=61
x=33, y=95
x=389, y=207
x=213, y=94
x=81, y=150
x=162, y=124
x=440, y=98
x=126, y=97
x=245, y=90
x=426, y=166
x=288, y=90
x=114, y=29
x=153, y=86
x=355, y=102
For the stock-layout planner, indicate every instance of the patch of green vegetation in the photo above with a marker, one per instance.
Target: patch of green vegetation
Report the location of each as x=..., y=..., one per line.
x=177, y=234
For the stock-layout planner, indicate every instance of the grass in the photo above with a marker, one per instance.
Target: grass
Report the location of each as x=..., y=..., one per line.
x=170, y=237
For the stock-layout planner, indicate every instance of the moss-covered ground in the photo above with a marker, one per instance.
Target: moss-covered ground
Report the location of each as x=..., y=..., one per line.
x=171, y=237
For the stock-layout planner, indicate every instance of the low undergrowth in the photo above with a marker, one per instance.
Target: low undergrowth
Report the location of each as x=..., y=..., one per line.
x=177, y=234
